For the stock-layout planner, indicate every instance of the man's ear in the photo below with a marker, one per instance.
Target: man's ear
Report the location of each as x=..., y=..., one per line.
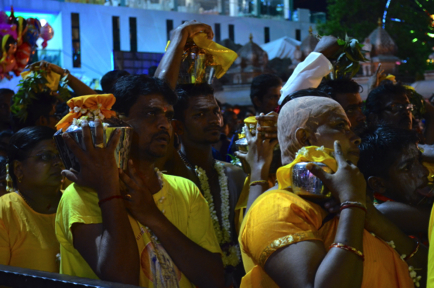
x=18, y=169
x=376, y=184
x=178, y=127
x=42, y=121
x=257, y=102
x=303, y=136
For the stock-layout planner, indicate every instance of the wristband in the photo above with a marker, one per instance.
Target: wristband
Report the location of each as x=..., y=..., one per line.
x=414, y=251
x=348, y=248
x=351, y=204
x=108, y=199
x=258, y=182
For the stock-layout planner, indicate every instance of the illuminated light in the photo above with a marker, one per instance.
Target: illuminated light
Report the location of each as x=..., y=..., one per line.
x=430, y=35
x=404, y=61
x=43, y=22
x=414, y=40
x=411, y=31
x=423, y=43
x=396, y=20
x=398, y=63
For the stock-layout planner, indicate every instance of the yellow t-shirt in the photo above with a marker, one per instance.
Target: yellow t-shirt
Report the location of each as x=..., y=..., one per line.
x=180, y=201
x=27, y=238
x=279, y=218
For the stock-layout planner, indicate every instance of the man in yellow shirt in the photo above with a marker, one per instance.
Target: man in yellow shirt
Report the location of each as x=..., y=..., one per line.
x=160, y=234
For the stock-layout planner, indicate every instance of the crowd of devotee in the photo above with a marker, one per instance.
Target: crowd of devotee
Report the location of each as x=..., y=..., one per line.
x=153, y=182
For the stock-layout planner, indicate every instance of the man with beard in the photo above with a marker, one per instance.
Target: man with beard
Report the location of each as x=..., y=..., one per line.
x=265, y=93
x=198, y=123
x=388, y=104
x=157, y=232
x=391, y=164
x=347, y=93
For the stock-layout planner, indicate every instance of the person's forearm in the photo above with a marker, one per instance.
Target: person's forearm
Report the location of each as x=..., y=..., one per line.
x=257, y=190
x=79, y=87
x=341, y=268
x=200, y=266
x=387, y=231
x=170, y=64
x=118, y=257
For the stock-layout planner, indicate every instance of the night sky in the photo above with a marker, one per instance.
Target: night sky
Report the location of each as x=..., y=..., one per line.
x=312, y=5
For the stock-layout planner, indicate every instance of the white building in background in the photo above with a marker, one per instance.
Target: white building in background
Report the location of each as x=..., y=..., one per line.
x=96, y=31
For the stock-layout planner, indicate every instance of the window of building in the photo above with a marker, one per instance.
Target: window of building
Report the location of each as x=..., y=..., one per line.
x=133, y=34
x=116, y=33
x=217, y=34
x=298, y=34
x=169, y=27
x=76, y=49
x=232, y=32
x=266, y=34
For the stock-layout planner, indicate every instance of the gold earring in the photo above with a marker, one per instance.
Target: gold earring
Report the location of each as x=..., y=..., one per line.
x=9, y=185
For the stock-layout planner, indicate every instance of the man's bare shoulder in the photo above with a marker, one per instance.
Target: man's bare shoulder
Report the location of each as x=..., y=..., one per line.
x=236, y=173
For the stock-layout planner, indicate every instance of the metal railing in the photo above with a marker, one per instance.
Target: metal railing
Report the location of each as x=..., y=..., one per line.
x=25, y=278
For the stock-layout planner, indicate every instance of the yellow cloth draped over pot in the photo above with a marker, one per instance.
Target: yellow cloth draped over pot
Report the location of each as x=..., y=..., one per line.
x=222, y=56
x=305, y=154
x=87, y=103
x=52, y=78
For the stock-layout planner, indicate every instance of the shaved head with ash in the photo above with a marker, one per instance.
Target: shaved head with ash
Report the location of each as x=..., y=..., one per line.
x=307, y=113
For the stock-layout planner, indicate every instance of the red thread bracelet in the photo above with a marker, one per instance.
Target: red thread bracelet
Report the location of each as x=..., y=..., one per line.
x=414, y=251
x=348, y=248
x=108, y=199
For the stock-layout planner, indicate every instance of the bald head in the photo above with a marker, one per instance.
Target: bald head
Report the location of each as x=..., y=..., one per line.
x=305, y=112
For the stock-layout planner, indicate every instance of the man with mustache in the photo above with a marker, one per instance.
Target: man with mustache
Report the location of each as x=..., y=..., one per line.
x=156, y=231
x=392, y=165
x=197, y=123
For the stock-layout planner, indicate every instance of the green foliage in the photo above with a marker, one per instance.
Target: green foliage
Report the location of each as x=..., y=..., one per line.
x=417, y=100
x=347, y=63
x=30, y=87
x=359, y=18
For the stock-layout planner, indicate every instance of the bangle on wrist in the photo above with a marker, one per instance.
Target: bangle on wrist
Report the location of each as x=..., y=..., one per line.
x=405, y=258
x=259, y=182
x=348, y=248
x=108, y=199
x=353, y=204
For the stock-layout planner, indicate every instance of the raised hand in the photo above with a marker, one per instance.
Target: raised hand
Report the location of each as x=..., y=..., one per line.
x=46, y=66
x=97, y=163
x=138, y=199
x=347, y=184
x=258, y=159
x=191, y=28
x=267, y=125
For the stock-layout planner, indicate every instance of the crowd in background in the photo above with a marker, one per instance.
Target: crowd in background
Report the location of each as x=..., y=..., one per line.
x=193, y=209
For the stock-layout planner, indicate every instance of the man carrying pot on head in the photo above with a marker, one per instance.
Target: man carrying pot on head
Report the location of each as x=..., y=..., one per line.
x=138, y=226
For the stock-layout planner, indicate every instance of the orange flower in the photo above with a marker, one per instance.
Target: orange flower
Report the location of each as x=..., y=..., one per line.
x=80, y=106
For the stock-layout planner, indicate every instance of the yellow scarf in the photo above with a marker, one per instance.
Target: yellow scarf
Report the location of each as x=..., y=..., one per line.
x=306, y=154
